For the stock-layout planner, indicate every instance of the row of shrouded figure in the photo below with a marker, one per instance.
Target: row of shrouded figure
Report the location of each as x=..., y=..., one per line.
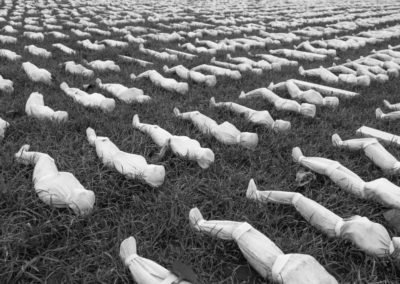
x=62, y=189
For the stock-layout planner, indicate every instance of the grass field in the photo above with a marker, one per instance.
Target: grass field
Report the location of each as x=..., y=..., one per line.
x=40, y=244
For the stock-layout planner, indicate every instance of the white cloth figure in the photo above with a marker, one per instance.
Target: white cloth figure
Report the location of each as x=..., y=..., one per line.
x=242, y=67
x=159, y=55
x=305, y=109
x=37, y=74
x=77, y=69
x=6, y=86
x=394, y=115
x=182, y=146
x=35, y=108
x=310, y=96
x=38, y=51
x=263, y=254
x=300, y=55
x=10, y=55
x=165, y=83
x=218, y=71
x=226, y=133
x=380, y=190
x=306, y=45
x=127, y=95
x=94, y=100
x=3, y=126
x=372, y=149
x=103, y=66
x=64, y=48
x=186, y=74
x=143, y=270
x=370, y=237
x=259, y=117
x=130, y=165
x=382, y=136
x=321, y=73
x=92, y=46
x=58, y=189
x=142, y=63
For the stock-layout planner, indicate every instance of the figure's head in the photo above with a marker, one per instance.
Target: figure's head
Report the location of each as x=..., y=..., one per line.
x=205, y=157
x=370, y=237
x=82, y=203
x=308, y=110
x=154, y=175
x=211, y=81
x=331, y=102
x=248, y=140
x=107, y=105
x=300, y=269
x=281, y=125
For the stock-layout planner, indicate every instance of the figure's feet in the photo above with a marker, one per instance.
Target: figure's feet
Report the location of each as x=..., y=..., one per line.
x=98, y=82
x=136, y=121
x=212, y=102
x=242, y=95
x=379, y=113
x=252, y=192
x=302, y=71
x=195, y=218
x=336, y=140
x=386, y=103
x=19, y=157
x=165, y=68
x=297, y=154
x=177, y=112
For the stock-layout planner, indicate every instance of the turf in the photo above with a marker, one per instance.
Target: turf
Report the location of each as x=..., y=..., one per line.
x=39, y=244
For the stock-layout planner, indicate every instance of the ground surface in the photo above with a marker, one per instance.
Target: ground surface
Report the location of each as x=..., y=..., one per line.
x=42, y=244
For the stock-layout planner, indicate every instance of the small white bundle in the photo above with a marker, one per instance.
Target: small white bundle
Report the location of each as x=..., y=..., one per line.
x=9, y=29
x=77, y=69
x=3, y=126
x=92, y=46
x=10, y=55
x=34, y=36
x=94, y=100
x=37, y=74
x=64, y=48
x=143, y=270
x=35, y=107
x=7, y=39
x=103, y=65
x=38, y=51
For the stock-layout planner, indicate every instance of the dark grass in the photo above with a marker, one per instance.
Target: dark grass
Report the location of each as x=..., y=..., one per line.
x=40, y=244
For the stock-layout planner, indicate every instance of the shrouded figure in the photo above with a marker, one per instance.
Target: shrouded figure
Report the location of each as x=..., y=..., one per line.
x=103, y=66
x=370, y=237
x=259, y=117
x=127, y=95
x=35, y=107
x=6, y=86
x=130, y=165
x=3, y=126
x=305, y=109
x=57, y=189
x=37, y=74
x=92, y=101
x=372, y=149
x=77, y=69
x=262, y=254
x=64, y=48
x=166, y=83
x=182, y=146
x=321, y=73
x=10, y=55
x=309, y=96
x=218, y=71
x=226, y=133
x=380, y=190
x=143, y=270
x=186, y=74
